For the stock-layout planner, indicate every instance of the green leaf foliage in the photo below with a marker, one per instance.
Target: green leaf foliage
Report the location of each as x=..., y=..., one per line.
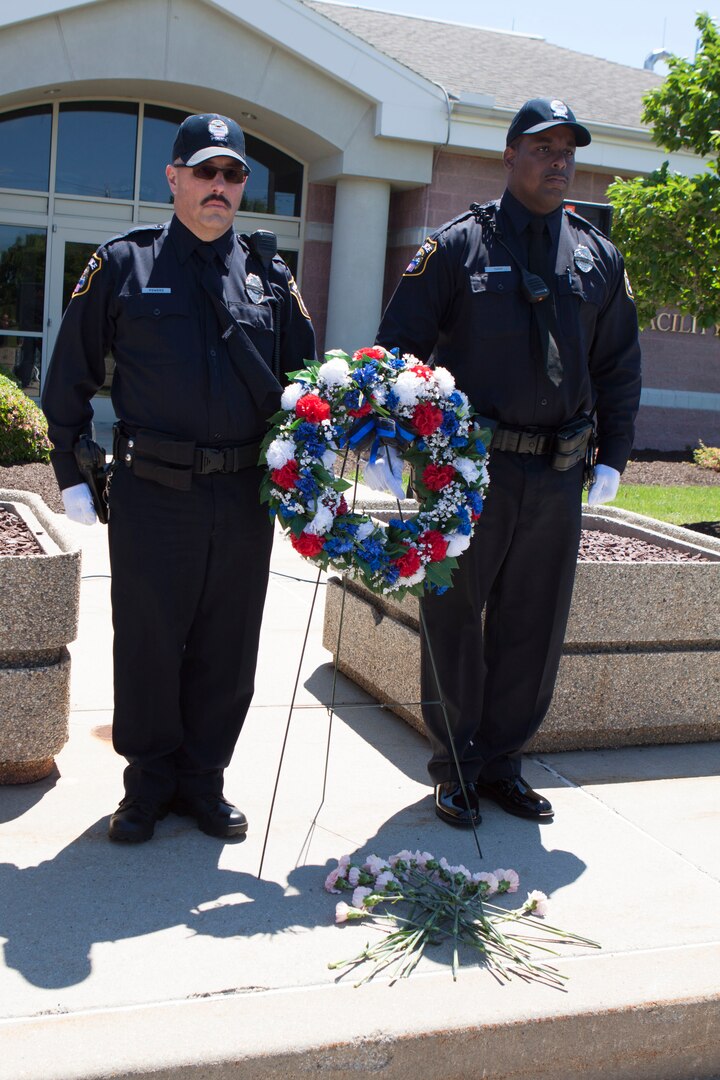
x=23, y=427
x=666, y=224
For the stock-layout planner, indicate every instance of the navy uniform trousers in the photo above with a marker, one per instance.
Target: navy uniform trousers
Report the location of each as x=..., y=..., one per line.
x=497, y=681
x=195, y=564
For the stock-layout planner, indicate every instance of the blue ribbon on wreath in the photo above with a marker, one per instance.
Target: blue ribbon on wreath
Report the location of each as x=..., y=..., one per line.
x=380, y=430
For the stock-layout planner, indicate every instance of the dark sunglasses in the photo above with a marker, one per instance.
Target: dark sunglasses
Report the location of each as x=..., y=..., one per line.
x=234, y=174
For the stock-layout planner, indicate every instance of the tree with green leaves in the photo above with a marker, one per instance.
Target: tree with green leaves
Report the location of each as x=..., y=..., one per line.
x=668, y=225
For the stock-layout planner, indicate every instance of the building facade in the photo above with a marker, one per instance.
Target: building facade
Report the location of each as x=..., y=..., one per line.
x=365, y=131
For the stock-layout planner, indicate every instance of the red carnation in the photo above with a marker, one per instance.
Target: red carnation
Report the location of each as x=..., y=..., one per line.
x=434, y=545
x=307, y=544
x=436, y=477
x=422, y=371
x=427, y=418
x=362, y=411
x=342, y=507
x=288, y=476
x=312, y=408
x=409, y=563
x=371, y=352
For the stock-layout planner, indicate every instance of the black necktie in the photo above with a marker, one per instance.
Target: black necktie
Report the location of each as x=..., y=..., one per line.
x=544, y=311
x=247, y=361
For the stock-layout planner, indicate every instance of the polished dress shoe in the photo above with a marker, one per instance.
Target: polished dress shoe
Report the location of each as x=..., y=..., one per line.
x=517, y=797
x=134, y=820
x=451, y=807
x=214, y=815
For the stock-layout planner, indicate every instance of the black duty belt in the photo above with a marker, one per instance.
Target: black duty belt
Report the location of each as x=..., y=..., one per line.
x=522, y=442
x=172, y=462
x=211, y=459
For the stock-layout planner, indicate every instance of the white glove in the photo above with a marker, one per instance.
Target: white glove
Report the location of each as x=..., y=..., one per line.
x=386, y=472
x=604, y=486
x=78, y=504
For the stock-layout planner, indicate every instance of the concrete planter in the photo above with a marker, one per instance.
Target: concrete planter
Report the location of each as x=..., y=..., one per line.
x=39, y=605
x=641, y=661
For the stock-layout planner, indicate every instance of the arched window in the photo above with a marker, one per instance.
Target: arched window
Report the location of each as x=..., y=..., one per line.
x=25, y=140
x=97, y=156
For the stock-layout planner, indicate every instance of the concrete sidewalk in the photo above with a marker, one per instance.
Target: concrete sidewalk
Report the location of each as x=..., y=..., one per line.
x=173, y=960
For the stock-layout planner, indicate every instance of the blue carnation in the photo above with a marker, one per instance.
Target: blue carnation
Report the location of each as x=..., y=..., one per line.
x=458, y=440
x=392, y=400
x=450, y=424
x=366, y=376
x=336, y=545
x=307, y=484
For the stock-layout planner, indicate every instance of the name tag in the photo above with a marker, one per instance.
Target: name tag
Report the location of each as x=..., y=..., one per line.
x=157, y=290
x=497, y=269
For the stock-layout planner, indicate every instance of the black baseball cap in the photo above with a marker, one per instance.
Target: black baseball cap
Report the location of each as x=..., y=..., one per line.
x=207, y=135
x=539, y=114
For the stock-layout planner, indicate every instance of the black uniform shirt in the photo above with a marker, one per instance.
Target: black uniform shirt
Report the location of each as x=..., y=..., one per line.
x=141, y=298
x=460, y=299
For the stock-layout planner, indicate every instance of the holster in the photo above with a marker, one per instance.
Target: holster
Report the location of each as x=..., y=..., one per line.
x=570, y=444
x=90, y=458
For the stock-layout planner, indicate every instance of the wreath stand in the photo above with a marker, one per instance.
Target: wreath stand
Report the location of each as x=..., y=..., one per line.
x=332, y=704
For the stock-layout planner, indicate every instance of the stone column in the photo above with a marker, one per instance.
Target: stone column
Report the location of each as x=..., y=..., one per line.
x=357, y=265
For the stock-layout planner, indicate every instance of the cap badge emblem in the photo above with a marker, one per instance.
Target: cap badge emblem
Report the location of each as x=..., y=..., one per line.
x=583, y=258
x=255, y=288
x=559, y=110
x=218, y=129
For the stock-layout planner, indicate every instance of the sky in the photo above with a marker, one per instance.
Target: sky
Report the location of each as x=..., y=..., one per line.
x=625, y=31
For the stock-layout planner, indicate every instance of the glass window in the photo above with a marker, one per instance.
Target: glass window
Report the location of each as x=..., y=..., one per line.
x=159, y=131
x=25, y=141
x=96, y=149
x=275, y=183
x=22, y=277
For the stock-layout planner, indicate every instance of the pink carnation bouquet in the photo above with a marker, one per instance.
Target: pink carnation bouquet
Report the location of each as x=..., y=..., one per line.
x=419, y=900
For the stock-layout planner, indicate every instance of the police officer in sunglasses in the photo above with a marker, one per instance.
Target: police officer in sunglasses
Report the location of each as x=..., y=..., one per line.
x=202, y=324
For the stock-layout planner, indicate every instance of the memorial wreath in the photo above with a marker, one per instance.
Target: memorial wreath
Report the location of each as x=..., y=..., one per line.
x=400, y=411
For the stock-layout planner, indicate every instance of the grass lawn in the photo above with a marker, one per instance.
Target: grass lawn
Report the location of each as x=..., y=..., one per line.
x=678, y=505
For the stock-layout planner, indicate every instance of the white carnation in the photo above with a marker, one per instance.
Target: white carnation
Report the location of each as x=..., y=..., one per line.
x=334, y=372
x=322, y=521
x=291, y=395
x=364, y=530
x=457, y=543
x=328, y=459
x=409, y=387
x=467, y=469
x=445, y=381
x=279, y=452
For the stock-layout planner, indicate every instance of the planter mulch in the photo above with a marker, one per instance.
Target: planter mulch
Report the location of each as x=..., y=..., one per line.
x=15, y=537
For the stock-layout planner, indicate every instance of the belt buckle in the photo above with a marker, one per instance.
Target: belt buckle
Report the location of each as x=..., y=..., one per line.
x=212, y=460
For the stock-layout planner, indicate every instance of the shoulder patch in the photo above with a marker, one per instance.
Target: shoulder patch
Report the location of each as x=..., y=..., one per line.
x=417, y=264
x=87, y=275
x=296, y=293
x=628, y=286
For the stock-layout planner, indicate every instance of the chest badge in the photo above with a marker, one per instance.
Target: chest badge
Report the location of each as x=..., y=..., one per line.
x=255, y=288
x=583, y=258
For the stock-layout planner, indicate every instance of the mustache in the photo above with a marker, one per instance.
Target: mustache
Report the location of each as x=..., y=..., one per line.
x=215, y=198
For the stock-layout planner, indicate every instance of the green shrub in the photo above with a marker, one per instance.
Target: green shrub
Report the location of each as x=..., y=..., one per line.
x=23, y=427
x=707, y=457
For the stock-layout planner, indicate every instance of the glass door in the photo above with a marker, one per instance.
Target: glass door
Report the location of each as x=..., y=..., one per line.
x=22, y=295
